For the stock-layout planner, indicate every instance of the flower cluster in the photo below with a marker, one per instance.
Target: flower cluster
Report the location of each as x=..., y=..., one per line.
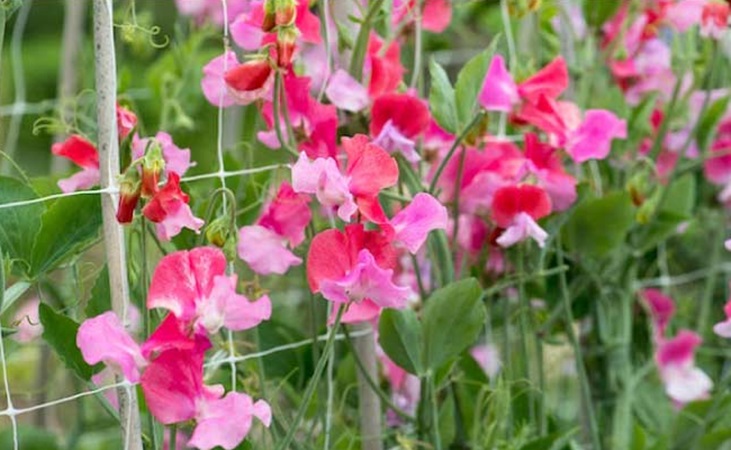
x=200, y=299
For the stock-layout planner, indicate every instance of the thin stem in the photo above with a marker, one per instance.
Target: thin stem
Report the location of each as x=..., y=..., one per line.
x=434, y=412
x=361, y=43
x=710, y=284
x=418, y=37
x=457, y=142
x=578, y=357
x=310, y=390
x=173, y=437
x=276, y=106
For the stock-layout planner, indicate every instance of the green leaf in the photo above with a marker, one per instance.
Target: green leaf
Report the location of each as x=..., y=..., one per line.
x=12, y=294
x=599, y=225
x=59, y=332
x=598, y=12
x=399, y=333
x=554, y=441
x=69, y=227
x=30, y=438
x=101, y=299
x=675, y=209
x=707, y=125
x=453, y=318
x=19, y=225
x=441, y=98
x=469, y=84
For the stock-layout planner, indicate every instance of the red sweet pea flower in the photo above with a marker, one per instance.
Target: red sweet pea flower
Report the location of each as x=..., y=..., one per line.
x=250, y=81
x=170, y=211
x=396, y=122
x=126, y=121
x=384, y=68
x=435, y=14
x=85, y=155
x=550, y=81
x=355, y=267
x=516, y=208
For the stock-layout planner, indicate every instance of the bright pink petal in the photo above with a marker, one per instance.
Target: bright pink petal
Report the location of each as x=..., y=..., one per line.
x=436, y=15
x=499, y=92
x=510, y=201
x=370, y=168
x=675, y=358
x=366, y=280
x=213, y=84
x=104, y=339
x=357, y=312
x=413, y=223
x=246, y=33
x=346, y=93
x=323, y=178
x=307, y=23
x=410, y=115
x=288, y=214
x=661, y=308
x=327, y=258
x=170, y=334
x=265, y=251
x=593, y=139
x=224, y=307
x=226, y=421
x=79, y=150
x=179, y=218
x=172, y=384
x=550, y=81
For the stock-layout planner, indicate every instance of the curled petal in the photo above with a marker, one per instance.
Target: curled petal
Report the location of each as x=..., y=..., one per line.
x=117, y=348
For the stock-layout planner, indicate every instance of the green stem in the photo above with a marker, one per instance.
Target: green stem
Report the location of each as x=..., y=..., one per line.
x=475, y=120
x=173, y=437
x=434, y=413
x=276, y=107
x=314, y=381
x=361, y=43
x=710, y=284
x=525, y=310
x=578, y=357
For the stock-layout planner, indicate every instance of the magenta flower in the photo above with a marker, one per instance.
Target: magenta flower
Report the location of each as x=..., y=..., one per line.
x=117, y=350
x=499, y=91
x=661, y=308
x=169, y=210
x=684, y=382
x=194, y=287
x=397, y=121
x=85, y=155
x=412, y=224
x=723, y=329
x=516, y=208
x=213, y=83
x=265, y=251
x=592, y=139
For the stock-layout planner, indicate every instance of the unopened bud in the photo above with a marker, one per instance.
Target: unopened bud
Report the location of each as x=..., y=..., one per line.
x=153, y=164
x=129, y=195
x=218, y=231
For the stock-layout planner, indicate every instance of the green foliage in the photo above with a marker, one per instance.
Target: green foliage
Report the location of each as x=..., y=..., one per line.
x=469, y=84
x=400, y=335
x=677, y=208
x=599, y=225
x=29, y=438
x=69, y=227
x=18, y=225
x=453, y=318
x=598, y=12
x=101, y=298
x=59, y=332
x=442, y=98
x=707, y=125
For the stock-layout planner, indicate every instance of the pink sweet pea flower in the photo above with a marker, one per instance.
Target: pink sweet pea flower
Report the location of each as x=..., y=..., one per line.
x=412, y=224
x=354, y=266
x=684, y=382
x=265, y=251
x=83, y=154
x=174, y=391
x=126, y=121
x=592, y=139
x=384, y=71
x=213, y=84
x=287, y=215
x=662, y=309
x=247, y=28
x=397, y=120
x=723, y=329
x=346, y=93
x=546, y=165
x=176, y=159
x=714, y=19
x=247, y=82
x=549, y=82
x=194, y=287
x=117, y=349
x=516, y=208
x=499, y=91
x=169, y=210
x=369, y=170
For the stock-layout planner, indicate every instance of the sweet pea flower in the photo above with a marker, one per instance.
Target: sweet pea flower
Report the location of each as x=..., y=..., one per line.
x=194, y=287
x=684, y=382
x=499, y=91
x=346, y=93
x=117, y=350
x=592, y=139
x=435, y=15
x=176, y=159
x=355, y=267
x=383, y=70
x=288, y=214
x=126, y=121
x=265, y=251
x=661, y=308
x=516, y=209
x=85, y=155
x=246, y=83
x=397, y=120
x=545, y=164
x=213, y=83
x=714, y=19
x=723, y=329
x=174, y=391
x=248, y=33
x=369, y=170
x=551, y=81
x=169, y=210
x=412, y=224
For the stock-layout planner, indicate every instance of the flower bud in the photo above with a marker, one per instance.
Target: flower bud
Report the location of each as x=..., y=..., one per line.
x=269, y=16
x=129, y=195
x=286, y=39
x=153, y=164
x=286, y=12
x=218, y=231
x=250, y=81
